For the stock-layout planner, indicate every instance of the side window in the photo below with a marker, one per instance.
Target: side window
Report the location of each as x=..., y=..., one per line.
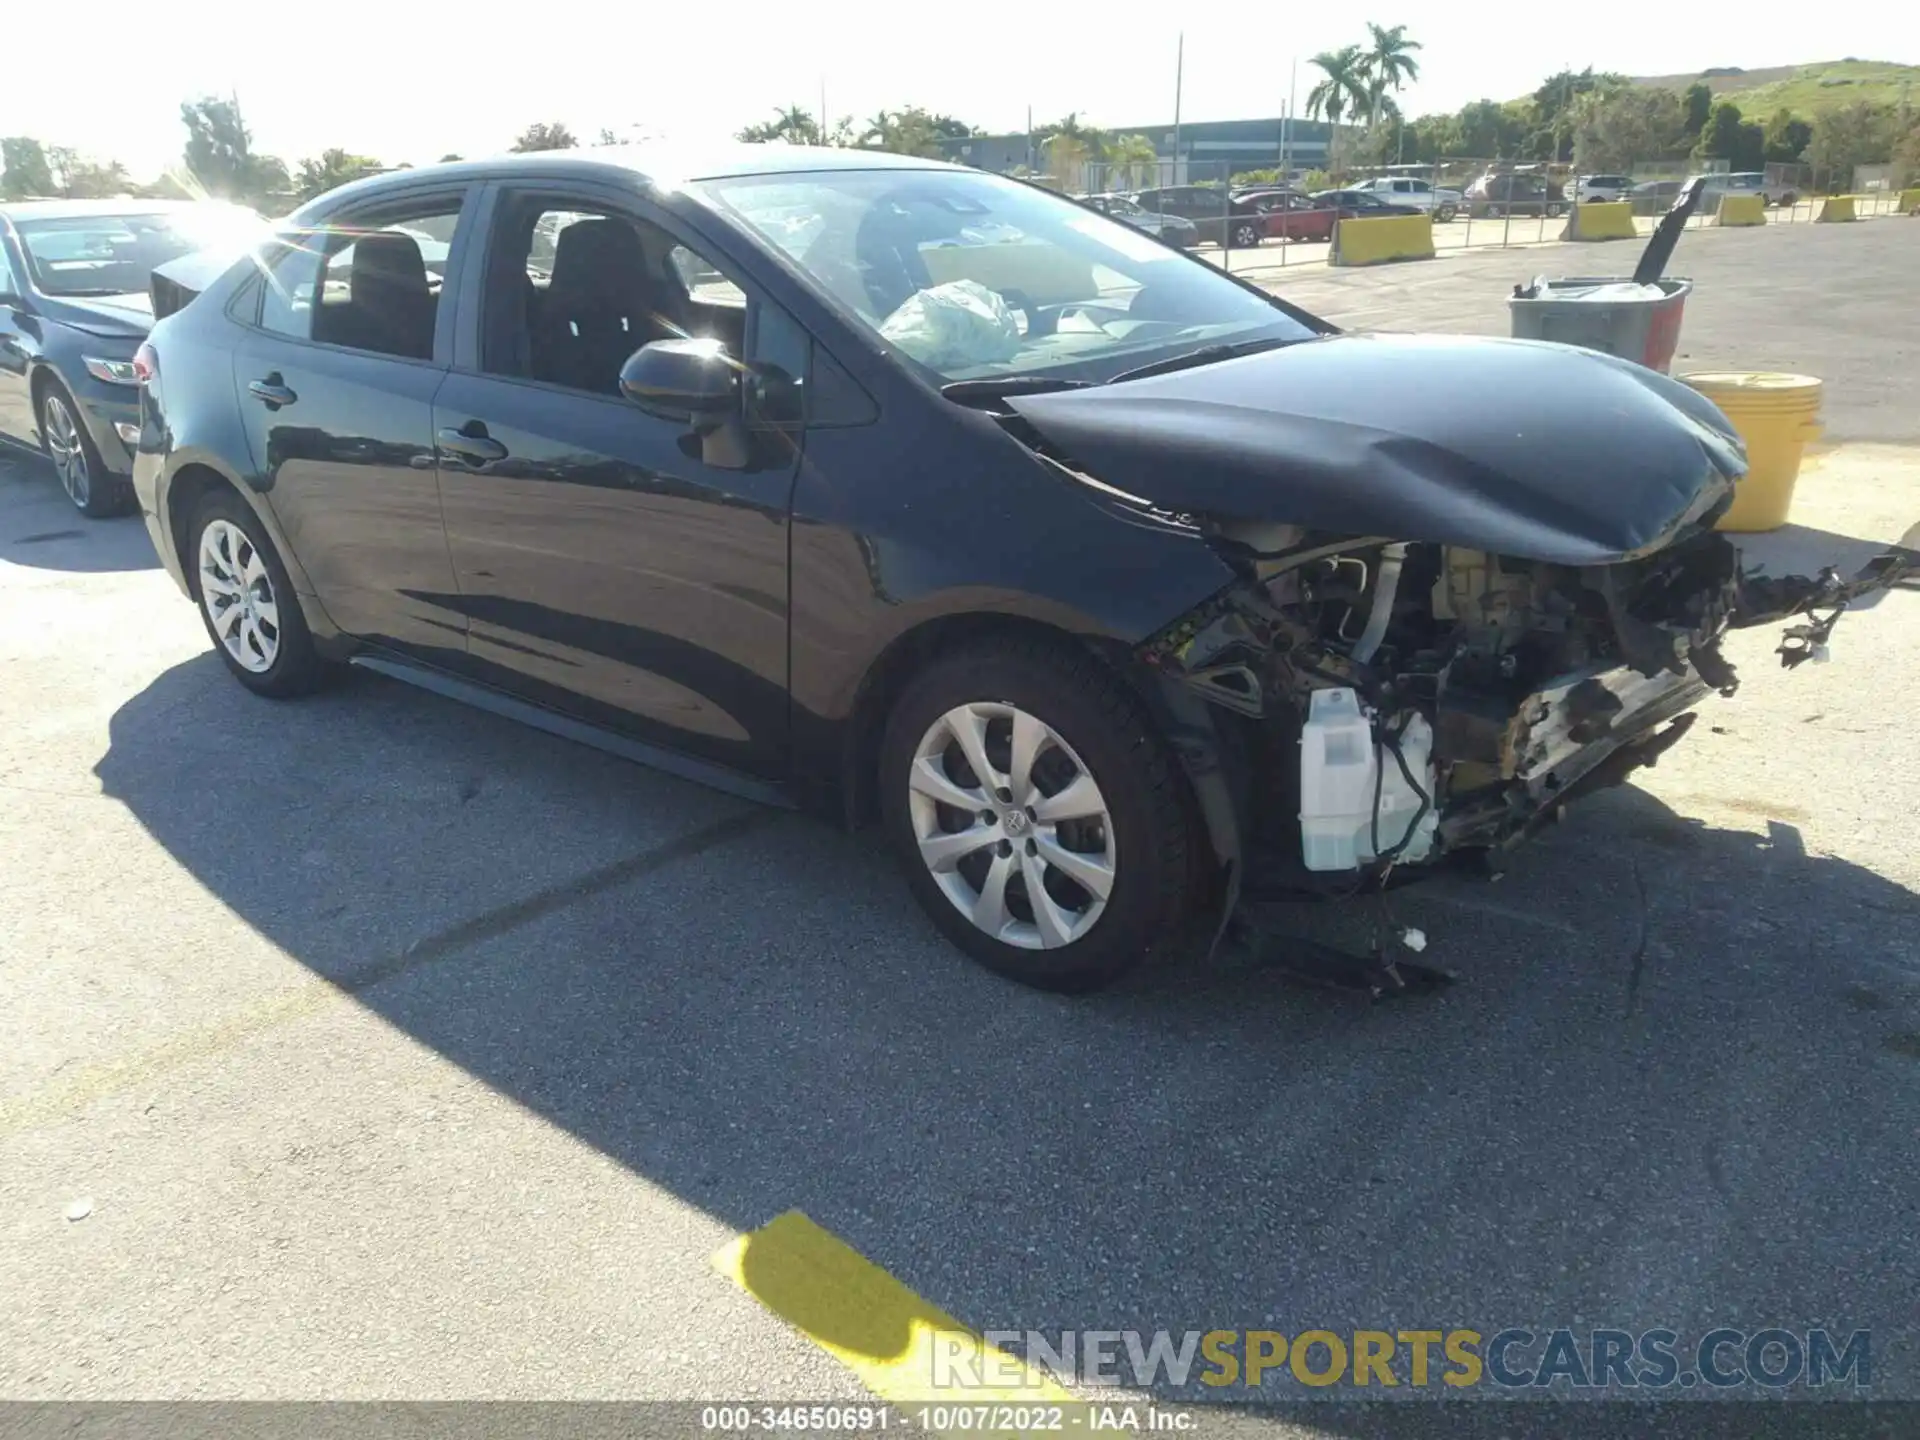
x=572, y=290
x=7, y=285
x=373, y=287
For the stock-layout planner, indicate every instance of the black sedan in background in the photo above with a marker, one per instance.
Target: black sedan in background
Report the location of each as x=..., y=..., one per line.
x=73, y=308
x=1113, y=585
x=1362, y=204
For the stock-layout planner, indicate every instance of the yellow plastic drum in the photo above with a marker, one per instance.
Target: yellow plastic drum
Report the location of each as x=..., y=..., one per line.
x=1777, y=415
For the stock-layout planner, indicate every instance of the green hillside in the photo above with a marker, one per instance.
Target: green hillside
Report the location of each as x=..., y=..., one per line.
x=1804, y=89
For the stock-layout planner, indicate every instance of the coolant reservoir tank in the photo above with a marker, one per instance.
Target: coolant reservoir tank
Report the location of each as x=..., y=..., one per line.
x=1340, y=767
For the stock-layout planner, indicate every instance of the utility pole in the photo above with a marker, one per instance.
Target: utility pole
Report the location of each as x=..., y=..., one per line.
x=1179, y=70
x=823, y=109
x=1286, y=125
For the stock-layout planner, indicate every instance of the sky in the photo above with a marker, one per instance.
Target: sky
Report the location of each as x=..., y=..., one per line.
x=407, y=82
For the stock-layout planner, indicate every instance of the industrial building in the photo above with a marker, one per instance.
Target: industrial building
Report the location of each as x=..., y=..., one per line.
x=1208, y=149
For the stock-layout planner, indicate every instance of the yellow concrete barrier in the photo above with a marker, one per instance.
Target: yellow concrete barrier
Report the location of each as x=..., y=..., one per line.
x=1372, y=242
x=1910, y=201
x=1602, y=220
x=1836, y=207
x=1741, y=210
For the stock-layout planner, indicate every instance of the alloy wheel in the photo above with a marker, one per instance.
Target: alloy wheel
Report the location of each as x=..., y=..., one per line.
x=237, y=594
x=66, y=450
x=1011, y=825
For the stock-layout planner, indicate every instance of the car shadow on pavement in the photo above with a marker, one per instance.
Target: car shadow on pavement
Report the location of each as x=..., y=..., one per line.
x=1676, y=1082
x=40, y=528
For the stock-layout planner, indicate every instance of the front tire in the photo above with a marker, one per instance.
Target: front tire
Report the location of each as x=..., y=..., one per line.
x=247, y=601
x=1042, y=824
x=1445, y=213
x=94, y=491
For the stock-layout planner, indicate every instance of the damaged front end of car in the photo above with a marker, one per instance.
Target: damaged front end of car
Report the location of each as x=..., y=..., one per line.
x=1385, y=703
x=1358, y=708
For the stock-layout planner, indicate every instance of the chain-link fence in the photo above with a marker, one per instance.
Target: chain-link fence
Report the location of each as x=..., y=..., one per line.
x=1267, y=219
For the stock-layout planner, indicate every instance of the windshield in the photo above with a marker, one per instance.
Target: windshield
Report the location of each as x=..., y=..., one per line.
x=974, y=276
x=102, y=254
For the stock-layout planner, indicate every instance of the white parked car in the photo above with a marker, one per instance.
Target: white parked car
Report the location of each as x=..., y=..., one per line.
x=1592, y=189
x=1402, y=190
x=1746, y=182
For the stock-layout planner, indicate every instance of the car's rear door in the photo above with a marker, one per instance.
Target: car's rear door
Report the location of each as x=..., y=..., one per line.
x=614, y=565
x=348, y=339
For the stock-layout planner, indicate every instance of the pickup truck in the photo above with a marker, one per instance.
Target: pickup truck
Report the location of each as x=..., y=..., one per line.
x=1444, y=204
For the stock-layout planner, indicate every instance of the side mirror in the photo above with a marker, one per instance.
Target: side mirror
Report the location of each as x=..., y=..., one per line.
x=689, y=380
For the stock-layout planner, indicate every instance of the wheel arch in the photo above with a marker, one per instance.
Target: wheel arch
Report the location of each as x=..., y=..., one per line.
x=190, y=484
x=190, y=477
x=914, y=649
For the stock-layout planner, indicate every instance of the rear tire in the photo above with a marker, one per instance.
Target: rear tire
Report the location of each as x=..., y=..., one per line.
x=1094, y=814
x=247, y=601
x=1246, y=237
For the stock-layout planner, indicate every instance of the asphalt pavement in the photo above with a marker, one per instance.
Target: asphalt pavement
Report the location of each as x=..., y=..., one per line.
x=387, y=1049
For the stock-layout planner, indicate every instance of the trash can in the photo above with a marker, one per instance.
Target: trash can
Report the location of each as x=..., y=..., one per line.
x=1636, y=317
x=1776, y=417
x=1636, y=322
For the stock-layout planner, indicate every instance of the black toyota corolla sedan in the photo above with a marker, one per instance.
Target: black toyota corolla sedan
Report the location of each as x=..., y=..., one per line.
x=1113, y=586
x=73, y=306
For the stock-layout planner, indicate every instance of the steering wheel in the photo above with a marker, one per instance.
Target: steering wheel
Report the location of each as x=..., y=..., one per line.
x=1045, y=319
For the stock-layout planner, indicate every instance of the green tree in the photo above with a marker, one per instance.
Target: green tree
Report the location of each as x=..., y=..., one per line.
x=24, y=169
x=796, y=125
x=1863, y=133
x=330, y=170
x=1613, y=132
x=1699, y=105
x=1340, y=92
x=1133, y=160
x=544, y=136
x=1727, y=137
x=1786, y=137
x=1557, y=103
x=450, y=157
x=77, y=178
x=219, y=152
x=911, y=131
x=1488, y=130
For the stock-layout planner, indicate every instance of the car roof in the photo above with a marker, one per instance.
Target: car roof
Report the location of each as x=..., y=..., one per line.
x=66, y=209
x=659, y=163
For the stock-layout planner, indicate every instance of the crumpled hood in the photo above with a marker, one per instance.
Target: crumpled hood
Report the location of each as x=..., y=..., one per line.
x=123, y=315
x=1518, y=447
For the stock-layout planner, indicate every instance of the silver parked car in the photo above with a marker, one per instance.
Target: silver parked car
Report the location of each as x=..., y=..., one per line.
x=1174, y=230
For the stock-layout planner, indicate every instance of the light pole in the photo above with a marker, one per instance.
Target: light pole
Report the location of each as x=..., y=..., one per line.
x=1179, y=71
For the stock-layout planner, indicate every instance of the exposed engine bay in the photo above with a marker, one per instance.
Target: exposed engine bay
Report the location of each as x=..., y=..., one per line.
x=1396, y=703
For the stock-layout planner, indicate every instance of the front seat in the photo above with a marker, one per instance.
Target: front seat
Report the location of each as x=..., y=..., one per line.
x=600, y=307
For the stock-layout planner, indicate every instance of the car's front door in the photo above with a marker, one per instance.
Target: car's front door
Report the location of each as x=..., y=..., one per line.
x=349, y=342
x=616, y=564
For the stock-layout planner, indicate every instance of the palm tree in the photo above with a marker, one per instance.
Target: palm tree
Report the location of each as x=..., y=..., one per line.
x=1069, y=146
x=1387, y=66
x=1130, y=156
x=1341, y=92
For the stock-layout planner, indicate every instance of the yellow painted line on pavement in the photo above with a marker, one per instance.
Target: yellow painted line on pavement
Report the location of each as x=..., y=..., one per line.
x=898, y=1344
